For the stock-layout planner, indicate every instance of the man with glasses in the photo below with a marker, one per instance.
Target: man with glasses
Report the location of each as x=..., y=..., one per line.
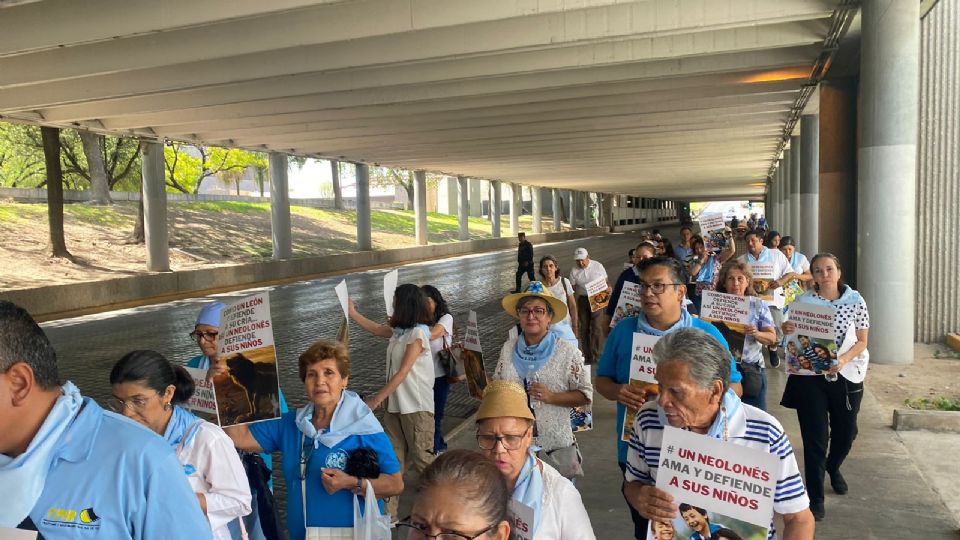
x=71, y=469
x=662, y=294
x=260, y=522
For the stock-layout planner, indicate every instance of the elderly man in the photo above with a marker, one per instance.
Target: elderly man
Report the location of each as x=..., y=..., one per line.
x=593, y=324
x=693, y=371
x=662, y=292
x=69, y=469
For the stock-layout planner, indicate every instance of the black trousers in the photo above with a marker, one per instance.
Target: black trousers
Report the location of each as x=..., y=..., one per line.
x=827, y=412
x=524, y=268
x=640, y=523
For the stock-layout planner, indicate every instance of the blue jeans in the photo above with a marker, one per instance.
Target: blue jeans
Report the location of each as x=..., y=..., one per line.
x=760, y=401
x=441, y=389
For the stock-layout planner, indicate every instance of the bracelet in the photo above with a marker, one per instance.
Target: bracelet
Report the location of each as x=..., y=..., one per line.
x=359, y=485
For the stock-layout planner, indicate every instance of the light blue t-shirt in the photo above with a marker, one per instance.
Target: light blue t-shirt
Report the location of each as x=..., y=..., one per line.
x=615, y=364
x=113, y=478
x=323, y=509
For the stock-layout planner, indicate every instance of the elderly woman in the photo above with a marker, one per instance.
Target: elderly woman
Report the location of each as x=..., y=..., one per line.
x=462, y=496
x=316, y=442
x=561, y=288
x=504, y=434
x=693, y=370
x=149, y=390
x=799, y=262
x=826, y=406
x=736, y=278
x=550, y=369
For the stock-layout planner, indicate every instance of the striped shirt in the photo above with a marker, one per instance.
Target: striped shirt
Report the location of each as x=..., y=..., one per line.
x=747, y=426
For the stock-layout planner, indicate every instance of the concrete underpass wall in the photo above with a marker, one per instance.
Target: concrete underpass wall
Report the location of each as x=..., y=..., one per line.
x=938, y=190
x=56, y=301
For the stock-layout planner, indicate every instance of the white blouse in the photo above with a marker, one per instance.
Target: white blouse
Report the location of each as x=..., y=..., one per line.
x=563, y=372
x=564, y=517
x=415, y=393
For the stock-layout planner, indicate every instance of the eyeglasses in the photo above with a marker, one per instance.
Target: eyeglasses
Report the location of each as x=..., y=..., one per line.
x=655, y=288
x=209, y=336
x=136, y=403
x=509, y=441
x=526, y=312
x=418, y=531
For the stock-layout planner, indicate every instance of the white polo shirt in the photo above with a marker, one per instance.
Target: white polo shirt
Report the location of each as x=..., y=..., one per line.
x=579, y=277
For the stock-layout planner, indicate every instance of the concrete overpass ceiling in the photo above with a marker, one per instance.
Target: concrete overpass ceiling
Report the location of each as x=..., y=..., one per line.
x=666, y=98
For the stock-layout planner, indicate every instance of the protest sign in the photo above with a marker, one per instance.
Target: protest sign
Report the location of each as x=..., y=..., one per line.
x=344, y=296
x=643, y=372
x=581, y=418
x=203, y=402
x=812, y=349
x=521, y=520
x=628, y=305
x=791, y=291
x=716, y=484
x=248, y=390
x=713, y=230
x=730, y=314
x=472, y=358
x=17, y=534
x=389, y=288
x=763, y=284
x=598, y=293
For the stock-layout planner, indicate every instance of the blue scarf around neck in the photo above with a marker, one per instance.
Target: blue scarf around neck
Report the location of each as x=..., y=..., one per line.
x=848, y=296
x=528, y=359
x=180, y=422
x=25, y=475
x=529, y=489
x=400, y=332
x=686, y=321
x=730, y=405
x=351, y=417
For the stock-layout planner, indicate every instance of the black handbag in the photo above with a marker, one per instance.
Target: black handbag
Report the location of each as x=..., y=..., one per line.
x=752, y=381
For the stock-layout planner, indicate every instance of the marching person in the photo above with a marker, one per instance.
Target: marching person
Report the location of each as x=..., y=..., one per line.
x=693, y=370
x=593, y=324
x=524, y=260
x=550, y=369
x=560, y=288
x=704, y=268
x=827, y=410
x=645, y=250
x=505, y=435
x=54, y=444
x=317, y=443
x=799, y=262
x=442, y=324
x=209, y=460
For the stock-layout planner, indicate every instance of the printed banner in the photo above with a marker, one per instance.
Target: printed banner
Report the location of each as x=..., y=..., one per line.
x=472, y=358
x=628, y=305
x=203, y=402
x=763, y=278
x=643, y=372
x=714, y=232
x=812, y=349
x=727, y=308
x=581, y=418
x=598, y=293
x=248, y=390
x=719, y=486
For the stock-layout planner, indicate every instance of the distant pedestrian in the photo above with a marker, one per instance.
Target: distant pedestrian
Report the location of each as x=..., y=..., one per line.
x=524, y=260
x=561, y=288
x=771, y=240
x=593, y=324
x=441, y=339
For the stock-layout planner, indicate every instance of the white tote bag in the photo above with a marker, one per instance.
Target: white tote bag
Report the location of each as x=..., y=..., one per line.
x=371, y=525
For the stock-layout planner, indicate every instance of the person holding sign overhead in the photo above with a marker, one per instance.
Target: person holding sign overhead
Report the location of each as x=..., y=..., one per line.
x=693, y=370
x=320, y=443
x=662, y=292
x=551, y=370
x=149, y=390
x=544, y=505
x=408, y=393
x=593, y=324
x=827, y=410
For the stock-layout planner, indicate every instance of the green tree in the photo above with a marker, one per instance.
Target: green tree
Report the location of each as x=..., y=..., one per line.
x=189, y=165
x=386, y=177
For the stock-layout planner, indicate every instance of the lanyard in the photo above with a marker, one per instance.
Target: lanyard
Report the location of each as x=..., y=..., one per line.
x=304, y=461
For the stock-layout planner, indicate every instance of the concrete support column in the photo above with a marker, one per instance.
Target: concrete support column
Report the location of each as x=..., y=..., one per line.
x=887, y=174
x=420, y=206
x=476, y=198
x=787, y=206
x=536, y=207
x=555, y=194
x=463, y=209
x=795, y=150
x=568, y=207
x=777, y=220
x=155, y=207
x=364, y=228
x=280, y=206
x=809, y=230
x=515, y=201
x=587, y=210
x=495, y=205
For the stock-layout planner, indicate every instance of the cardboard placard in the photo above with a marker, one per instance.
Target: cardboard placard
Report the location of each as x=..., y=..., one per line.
x=643, y=371
x=812, y=349
x=598, y=293
x=472, y=357
x=628, y=305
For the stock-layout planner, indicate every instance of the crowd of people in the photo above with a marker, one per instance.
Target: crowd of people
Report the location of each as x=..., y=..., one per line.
x=183, y=477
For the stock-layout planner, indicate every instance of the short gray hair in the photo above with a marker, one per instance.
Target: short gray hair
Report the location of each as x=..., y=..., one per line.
x=706, y=358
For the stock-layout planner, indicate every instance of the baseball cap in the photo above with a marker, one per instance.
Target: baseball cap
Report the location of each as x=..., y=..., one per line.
x=579, y=254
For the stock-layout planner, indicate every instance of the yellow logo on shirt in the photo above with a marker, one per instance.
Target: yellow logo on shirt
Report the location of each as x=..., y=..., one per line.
x=68, y=517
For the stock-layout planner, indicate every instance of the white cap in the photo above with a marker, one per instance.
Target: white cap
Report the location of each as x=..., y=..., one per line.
x=579, y=254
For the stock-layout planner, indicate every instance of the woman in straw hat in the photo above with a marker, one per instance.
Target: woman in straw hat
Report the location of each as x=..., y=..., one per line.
x=544, y=504
x=550, y=369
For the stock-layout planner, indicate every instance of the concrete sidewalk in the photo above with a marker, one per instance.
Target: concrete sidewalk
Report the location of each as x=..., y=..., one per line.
x=890, y=496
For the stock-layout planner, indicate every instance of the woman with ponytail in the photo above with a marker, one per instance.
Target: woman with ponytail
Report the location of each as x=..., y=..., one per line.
x=150, y=390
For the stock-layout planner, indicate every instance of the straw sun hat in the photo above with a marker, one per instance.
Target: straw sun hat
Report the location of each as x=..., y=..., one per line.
x=504, y=399
x=537, y=290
